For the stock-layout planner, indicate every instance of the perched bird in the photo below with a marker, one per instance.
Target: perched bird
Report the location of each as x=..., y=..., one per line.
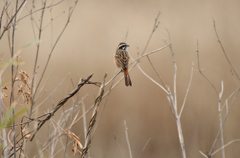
x=121, y=60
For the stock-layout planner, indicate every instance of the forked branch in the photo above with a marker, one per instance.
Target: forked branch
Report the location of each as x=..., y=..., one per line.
x=61, y=103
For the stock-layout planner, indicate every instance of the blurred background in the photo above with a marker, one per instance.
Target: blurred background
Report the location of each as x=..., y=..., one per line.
x=88, y=45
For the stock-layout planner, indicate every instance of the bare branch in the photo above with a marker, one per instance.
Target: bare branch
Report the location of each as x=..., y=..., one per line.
x=84, y=119
x=152, y=79
x=220, y=119
x=185, y=98
x=224, y=146
x=203, y=154
x=53, y=48
x=223, y=122
x=155, y=26
x=4, y=135
x=118, y=146
x=93, y=118
x=12, y=18
x=128, y=142
x=61, y=103
x=224, y=52
x=144, y=147
x=50, y=6
x=200, y=71
x=33, y=90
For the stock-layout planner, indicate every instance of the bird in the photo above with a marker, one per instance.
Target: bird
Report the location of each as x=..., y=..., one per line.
x=122, y=61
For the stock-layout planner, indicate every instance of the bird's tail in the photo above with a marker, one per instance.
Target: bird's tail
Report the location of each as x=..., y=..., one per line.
x=128, y=81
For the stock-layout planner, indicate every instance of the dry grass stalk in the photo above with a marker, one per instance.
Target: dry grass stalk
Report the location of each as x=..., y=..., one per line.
x=93, y=118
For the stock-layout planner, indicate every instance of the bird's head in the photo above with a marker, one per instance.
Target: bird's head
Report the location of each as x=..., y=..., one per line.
x=122, y=46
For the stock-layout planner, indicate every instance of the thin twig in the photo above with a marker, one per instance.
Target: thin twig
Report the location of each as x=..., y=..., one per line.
x=12, y=18
x=104, y=105
x=51, y=21
x=224, y=146
x=185, y=98
x=93, y=118
x=51, y=141
x=203, y=154
x=128, y=143
x=223, y=122
x=61, y=103
x=44, y=84
x=220, y=119
x=4, y=135
x=144, y=147
x=155, y=26
x=81, y=117
x=50, y=6
x=147, y=54
x=200, y=71
x=228, y=98
x=44, y=100
x=224, y=52
x=170, y=105
x=53, y=48
x=84, y=119
x=57, y=152
x=174, y=100
x=125, y=40
x=13, y=78
x=118, y=145
x=175, y=71
x=33, y=90
x=152, y=79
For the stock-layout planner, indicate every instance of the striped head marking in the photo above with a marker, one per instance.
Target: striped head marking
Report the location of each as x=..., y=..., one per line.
x=122, y=46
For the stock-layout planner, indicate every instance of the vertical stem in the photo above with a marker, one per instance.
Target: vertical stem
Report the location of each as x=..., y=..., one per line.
x=180, y=135
x=4, y=136
x=12, y=76
x=84, y=120
x=12, y=100
x=179, y=126
x=220, y=120
x=221, y=131
x=36, y=60
x=174, y=102
x=129, y=147
x=175, y=84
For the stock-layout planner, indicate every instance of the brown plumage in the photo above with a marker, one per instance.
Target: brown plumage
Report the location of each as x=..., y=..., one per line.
x=121, y=60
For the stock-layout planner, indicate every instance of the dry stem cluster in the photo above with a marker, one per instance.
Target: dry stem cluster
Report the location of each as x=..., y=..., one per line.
x=29, y=88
